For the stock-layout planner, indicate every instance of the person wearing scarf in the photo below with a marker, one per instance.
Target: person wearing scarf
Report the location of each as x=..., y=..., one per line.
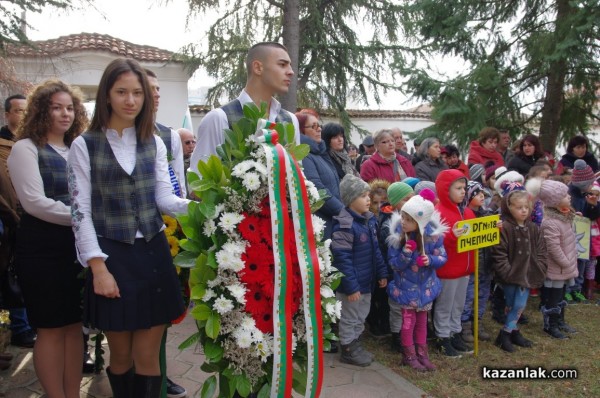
x=386, y=164
x=335, y=141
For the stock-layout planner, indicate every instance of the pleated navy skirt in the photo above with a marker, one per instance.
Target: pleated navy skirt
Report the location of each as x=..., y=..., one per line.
x=148, y=284
x=48, y=273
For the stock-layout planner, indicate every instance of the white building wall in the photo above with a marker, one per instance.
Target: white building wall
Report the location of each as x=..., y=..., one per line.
x=84, y=69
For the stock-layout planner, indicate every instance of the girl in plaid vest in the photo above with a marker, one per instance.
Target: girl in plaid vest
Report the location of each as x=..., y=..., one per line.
x=119, y=185
x=45, y=263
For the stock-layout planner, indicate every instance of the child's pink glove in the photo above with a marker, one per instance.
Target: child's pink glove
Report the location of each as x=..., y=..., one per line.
x=410, y=246
x=422, y=261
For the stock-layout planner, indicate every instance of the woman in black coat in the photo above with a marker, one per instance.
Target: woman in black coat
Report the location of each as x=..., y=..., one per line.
x=529, y=152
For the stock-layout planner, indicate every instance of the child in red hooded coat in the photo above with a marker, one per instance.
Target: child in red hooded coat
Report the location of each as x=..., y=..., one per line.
x=450, y=186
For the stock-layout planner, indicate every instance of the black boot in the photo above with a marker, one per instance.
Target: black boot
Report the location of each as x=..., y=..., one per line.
x=146, y=386
x=121, y=385
x=551, y=322
x=503, y=341
x=396, y=345
x=517, y=338
x=562, y=325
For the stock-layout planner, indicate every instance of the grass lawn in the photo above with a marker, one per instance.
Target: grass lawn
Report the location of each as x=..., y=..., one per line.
x=462, y=377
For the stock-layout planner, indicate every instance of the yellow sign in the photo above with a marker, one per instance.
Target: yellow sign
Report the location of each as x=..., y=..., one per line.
x=479, y=232
x=582, y=227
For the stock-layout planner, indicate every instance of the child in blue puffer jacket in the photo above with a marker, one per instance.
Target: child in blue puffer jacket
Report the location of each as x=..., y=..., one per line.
x=356, y=254
x=416, y=250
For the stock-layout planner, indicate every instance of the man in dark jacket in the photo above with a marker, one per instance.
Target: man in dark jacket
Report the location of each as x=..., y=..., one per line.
x=14, y=107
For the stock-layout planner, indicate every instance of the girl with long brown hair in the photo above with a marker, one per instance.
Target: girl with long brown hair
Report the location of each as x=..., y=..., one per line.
x=119, y=185
x=45, y=246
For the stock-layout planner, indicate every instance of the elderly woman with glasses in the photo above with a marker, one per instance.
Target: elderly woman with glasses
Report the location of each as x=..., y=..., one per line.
x=319, y=168
x=386, y=164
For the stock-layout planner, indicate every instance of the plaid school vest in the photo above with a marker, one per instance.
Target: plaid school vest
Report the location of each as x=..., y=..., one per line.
x=53, y=169
x=122, y=204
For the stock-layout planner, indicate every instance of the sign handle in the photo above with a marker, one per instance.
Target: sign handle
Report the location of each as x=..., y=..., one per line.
x=476, y=305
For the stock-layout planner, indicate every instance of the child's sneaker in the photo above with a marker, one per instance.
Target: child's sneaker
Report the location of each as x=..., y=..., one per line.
x=445, y=347
x=569, y=298
x=459, y=344
x=579, y=298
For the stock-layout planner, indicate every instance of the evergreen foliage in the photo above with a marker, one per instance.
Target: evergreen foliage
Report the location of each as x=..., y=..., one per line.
x=346, y=49
x=520, y=62
x=12, y=21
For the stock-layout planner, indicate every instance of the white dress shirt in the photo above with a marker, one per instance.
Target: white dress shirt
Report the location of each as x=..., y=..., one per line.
x=25, y=175
x=210, y=130
x=124, y=149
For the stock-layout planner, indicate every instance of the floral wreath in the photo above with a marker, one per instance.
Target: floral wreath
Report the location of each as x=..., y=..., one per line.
x=261, y=280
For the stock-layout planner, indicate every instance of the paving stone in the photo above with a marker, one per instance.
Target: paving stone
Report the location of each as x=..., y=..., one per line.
x=337, y=376
x=339, y=380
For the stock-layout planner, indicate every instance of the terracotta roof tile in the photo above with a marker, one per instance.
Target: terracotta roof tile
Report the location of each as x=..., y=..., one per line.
x=421, y=112
x=383, y=114
x=90, y=42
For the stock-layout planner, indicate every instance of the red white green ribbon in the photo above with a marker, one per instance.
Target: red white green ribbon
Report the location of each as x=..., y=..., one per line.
x=283, y=171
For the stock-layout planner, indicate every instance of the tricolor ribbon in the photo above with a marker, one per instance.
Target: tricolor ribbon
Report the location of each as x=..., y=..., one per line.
x=285, y=177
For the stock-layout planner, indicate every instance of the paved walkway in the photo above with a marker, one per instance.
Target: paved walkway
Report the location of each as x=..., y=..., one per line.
x=340, y=380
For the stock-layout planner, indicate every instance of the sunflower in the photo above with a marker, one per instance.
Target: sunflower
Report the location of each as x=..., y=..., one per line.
x=171, y=224
x=173, y=245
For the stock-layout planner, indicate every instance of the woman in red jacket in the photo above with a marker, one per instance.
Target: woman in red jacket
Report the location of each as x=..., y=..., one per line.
x=450, y=186
x=386, y=164
x=484, y=149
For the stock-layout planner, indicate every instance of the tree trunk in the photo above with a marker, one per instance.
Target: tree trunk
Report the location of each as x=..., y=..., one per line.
x=554, y=97
x=291, y=39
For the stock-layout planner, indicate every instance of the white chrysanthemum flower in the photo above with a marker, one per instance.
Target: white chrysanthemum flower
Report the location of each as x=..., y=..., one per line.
x=208, y=295
x=260, y=152
x=265, y=348
x=260, y=168
x=223, y=305
x=257, y=336
x=248, y=323
x=313, y=192
x=209, y=227
x=330, y=309
x=338, y=309
x=235, y=247
x=219, y=209
x=251, y=181
x=324, y=255
x=318, y=225
x=229, y=221
x=326, y=292
x=238, y=292
x=241, y=168
x=229, y=261
x=243, y=338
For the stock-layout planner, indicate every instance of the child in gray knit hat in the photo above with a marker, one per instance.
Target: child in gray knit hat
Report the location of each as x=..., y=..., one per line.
x=356, y=254
x=585, y=203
